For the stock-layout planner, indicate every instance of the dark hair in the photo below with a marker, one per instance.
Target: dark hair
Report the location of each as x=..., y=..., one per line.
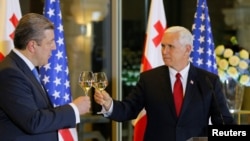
x=31, y=27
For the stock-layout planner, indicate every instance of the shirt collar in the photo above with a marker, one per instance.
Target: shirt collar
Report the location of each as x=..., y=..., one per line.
x=25, y=59
x=183, y=72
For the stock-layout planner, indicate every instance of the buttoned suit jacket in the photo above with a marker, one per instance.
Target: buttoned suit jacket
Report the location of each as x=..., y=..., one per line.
x=203, y=99
x=26, y=113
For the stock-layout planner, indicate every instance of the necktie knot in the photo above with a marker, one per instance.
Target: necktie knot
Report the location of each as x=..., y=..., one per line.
x=178, y=76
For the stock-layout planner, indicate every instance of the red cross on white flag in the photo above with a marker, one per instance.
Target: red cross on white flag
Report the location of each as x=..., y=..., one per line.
x=155, y=29
x=152, y=55
x=10, y=14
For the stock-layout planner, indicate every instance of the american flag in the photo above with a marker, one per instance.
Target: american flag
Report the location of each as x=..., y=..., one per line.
x=203, y=55
x=55, y=75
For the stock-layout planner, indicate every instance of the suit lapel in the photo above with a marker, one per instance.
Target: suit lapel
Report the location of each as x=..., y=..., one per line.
x=191, y=88
x=168, y=89
x=26, y=70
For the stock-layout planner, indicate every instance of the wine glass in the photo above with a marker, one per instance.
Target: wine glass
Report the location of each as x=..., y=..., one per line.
x=100, y=82
x=86, y=79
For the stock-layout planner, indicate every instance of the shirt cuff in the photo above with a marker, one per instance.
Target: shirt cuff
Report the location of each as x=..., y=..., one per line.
x=77, y=115
x=107, y=113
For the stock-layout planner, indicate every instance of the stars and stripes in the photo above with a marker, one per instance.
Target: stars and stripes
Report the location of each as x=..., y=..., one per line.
x=203, y=55
x=55, y=74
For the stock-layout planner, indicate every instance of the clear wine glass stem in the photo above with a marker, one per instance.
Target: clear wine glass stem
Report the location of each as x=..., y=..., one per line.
x=86, y=92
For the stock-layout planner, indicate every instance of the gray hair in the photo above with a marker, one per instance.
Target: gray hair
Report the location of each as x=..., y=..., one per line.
x=31, y=27
x=185, y=36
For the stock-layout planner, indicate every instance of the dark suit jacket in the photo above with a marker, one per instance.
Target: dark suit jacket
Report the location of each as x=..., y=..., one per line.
x=26, y=113
x=153, y=91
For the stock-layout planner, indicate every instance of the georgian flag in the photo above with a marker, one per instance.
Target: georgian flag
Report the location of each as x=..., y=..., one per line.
x=10, y=14
x=152, y=55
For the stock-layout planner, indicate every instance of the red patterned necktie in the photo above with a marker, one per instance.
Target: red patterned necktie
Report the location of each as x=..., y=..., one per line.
x=178, y=94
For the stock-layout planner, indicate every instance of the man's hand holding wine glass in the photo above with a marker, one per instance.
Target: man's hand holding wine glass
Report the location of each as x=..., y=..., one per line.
x=83, y=104
x=103, y=98
x=99, y=81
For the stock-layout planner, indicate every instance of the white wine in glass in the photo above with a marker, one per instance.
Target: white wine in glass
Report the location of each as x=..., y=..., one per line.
x=86, y=79
x=100, y=83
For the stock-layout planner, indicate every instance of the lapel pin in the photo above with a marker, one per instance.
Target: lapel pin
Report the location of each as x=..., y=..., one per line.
x=191, y=81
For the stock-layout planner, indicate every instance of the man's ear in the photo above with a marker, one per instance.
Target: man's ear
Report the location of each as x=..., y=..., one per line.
x=31, y=46
x=188, y=49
